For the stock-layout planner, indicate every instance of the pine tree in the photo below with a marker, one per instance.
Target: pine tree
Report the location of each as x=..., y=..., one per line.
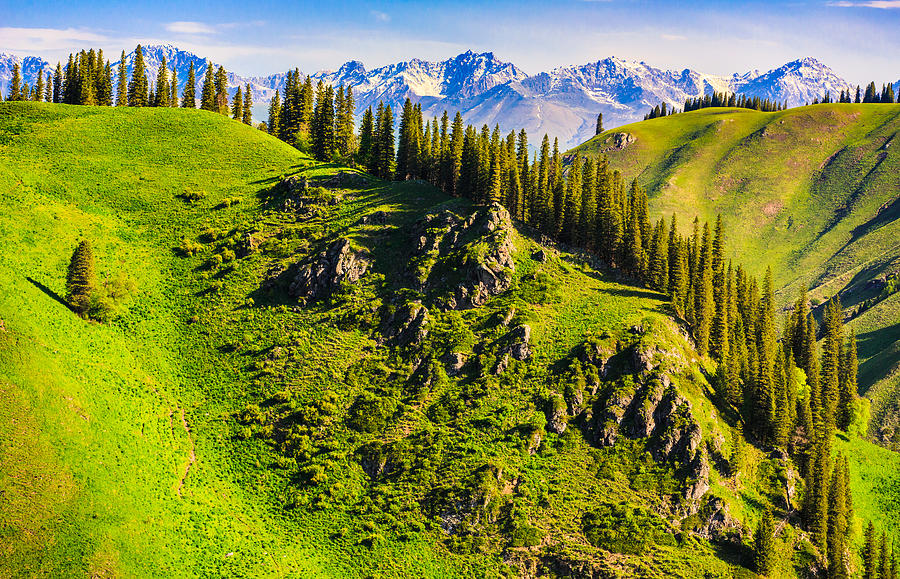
x=830, y=380
x=189, y=95
x=764, y=555
x=884, y=566
x=39, y=87
x=870, y=553
x=719, y=337
x=677, y=273
x=237, y=107
x=122, y=84
x=848, y=385
x=816, y=510
x=221, y=85
x=208, y=93
x=80, y=280
x=173, y=89
x=138, y=89
x=247, y=113
x=48, y=89
x=162, y=84
x=703, y=293
x=274, y=115
x=15, y=85
x=366, y=138
x=837, y=522
x=58, y=83
x=599, y=123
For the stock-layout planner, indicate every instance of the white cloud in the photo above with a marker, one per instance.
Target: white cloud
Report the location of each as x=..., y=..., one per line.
x=186, y=27
x=673, y=37
x=882, y=4
x=46, y=39
x=381, y=16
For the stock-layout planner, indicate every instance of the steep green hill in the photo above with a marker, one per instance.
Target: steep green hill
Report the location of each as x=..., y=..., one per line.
x=322, y=374
x=813, y=191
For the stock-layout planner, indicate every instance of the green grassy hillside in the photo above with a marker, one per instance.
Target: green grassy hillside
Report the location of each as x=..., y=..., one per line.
x=813, y=191
x=220, y=426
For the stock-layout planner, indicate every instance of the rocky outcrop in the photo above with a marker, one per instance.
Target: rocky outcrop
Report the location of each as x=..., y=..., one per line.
x=636, y=399
x=515, y=345
x=247, y=245
x=462, y=262
x=407, y=326
x=454, y=362
x=338, y=264
x=714, y=522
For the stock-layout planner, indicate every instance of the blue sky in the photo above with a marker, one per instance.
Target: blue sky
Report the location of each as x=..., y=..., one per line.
x=860, y=39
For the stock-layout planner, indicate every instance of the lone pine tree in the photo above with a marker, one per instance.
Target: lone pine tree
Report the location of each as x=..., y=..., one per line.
x=80, y=281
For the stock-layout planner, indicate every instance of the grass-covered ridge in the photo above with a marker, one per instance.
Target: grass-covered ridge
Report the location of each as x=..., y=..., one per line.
x=811, y=191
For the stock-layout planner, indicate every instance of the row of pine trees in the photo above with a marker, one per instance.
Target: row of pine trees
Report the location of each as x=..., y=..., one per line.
x=718, y=99
x=87, y=79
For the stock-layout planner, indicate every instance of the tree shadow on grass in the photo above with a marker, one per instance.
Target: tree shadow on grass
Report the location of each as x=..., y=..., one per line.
x=48, y=291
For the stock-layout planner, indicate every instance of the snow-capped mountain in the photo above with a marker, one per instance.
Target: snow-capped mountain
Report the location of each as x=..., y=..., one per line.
x=31, y=66
x=181, y=60
x=563, y=102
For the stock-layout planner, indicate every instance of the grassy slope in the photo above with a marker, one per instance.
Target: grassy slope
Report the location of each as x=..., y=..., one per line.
x=95, y=449
x=811, y=191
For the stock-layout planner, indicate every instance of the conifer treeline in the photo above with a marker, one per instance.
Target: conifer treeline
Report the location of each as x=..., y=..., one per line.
x=87, y=79
x=718, y=99
x=872, y=95
x=317, y=120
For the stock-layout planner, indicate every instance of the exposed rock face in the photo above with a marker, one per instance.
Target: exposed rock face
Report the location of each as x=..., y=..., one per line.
x=516, y=345
x=454, y=361
x=464, y=261
x=715, y=523
x=331, y=268
x=407, y=326
x=247, y=245
x=640, y=401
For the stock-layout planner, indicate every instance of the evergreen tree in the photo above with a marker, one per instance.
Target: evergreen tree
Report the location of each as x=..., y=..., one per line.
x=15, y=85
x=884, y=566
x=274, y=115
x=173, y=89
x=162, y=84
x=837, y=523
x=138, y=88
x=599, y=123
x=58, y=83
x=121, y=85
x=246, y=112
x=870, y=553
x=39, y=87
x=208, y=92
x=849, y=367
x=764, y=554
x=48, y=89
x=366, y=138
x=80, y=280
x=189, y=95
x=221, y=85
x=237, y=107
x=830, y=379
x=677, y=273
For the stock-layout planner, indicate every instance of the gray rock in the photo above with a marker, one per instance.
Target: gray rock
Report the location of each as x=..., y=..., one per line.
x=408, y=326
x=454, y=362
x=331, y=268
x=539, y=256
x=452, y=242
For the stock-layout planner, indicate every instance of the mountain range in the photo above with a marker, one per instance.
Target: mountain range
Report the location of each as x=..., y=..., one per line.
x=563, y=102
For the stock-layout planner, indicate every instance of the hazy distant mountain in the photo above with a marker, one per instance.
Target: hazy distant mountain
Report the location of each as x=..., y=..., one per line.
x=563, y=102
x=31, y=66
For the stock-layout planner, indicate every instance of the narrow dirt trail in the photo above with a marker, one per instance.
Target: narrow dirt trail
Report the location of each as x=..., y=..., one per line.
x=192, y=457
